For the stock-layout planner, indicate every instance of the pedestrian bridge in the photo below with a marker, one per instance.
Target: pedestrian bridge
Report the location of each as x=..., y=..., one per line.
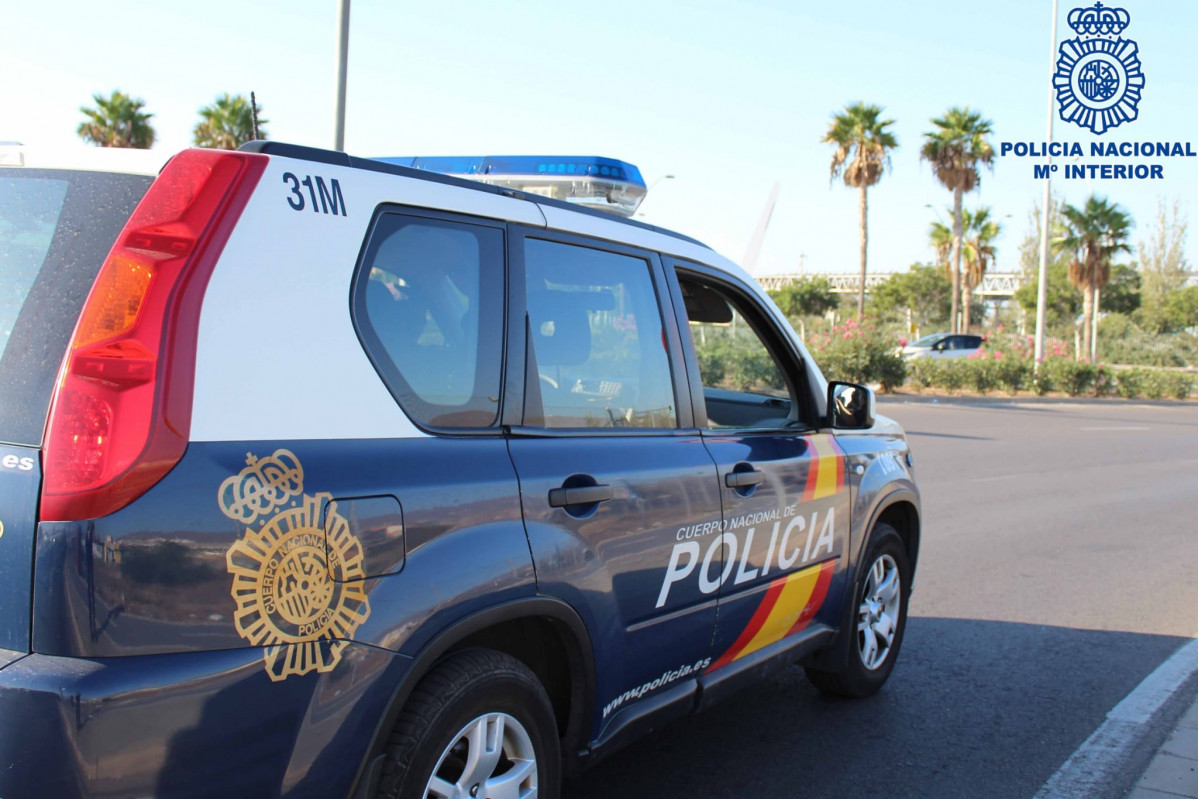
x=995, y=285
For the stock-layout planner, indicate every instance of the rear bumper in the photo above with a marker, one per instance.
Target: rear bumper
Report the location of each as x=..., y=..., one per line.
x=184, y=725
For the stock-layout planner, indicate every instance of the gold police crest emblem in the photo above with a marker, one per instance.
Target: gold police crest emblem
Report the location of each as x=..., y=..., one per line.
x=299, y=585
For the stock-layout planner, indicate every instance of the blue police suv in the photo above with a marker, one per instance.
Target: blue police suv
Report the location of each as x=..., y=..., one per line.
x=329, y=476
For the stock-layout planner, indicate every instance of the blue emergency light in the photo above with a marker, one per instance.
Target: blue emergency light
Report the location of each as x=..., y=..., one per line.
x=602, y=183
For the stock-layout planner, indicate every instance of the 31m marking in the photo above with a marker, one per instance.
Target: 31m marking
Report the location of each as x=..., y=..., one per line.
x=322, y=198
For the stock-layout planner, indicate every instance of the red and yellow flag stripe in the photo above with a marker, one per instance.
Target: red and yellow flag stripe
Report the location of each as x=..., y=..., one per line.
x=825, y=477
x=789, y=605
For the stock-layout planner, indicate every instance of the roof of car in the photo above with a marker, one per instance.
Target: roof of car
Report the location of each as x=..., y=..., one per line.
x=344, y=159
x=83, y=157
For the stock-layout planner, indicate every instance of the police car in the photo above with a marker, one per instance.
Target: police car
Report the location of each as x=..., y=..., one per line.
x=330, y=476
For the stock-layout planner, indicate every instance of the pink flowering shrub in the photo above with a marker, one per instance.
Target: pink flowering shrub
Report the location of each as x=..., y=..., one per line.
x=1006, y=363
x=859, y=353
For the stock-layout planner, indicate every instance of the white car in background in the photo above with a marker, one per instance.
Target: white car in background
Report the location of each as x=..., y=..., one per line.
x=943, y=345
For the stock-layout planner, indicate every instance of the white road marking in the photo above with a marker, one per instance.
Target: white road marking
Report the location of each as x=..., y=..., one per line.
x=1107, y=429
x=1105, y=753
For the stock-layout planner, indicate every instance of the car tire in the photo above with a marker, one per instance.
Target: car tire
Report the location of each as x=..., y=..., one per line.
x=879, y=613
x=479, y=718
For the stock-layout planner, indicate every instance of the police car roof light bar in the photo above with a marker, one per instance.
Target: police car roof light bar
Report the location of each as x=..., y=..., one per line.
x=605, y=184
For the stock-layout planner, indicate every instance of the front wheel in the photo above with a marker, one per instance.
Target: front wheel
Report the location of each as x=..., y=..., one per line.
x=479, y=726
x=881, y=595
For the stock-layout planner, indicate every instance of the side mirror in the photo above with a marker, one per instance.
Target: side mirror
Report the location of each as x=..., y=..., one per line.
x=850, y=406
x=938, y=346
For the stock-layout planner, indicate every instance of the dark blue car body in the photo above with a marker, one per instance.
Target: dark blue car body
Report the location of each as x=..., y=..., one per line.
x=152, y=651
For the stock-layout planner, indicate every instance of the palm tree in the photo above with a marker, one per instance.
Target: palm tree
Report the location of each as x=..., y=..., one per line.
x=1093, y=234
x=954, y=150
x=117, y=121
x=227, y=123
x=862, y=154
x=978, y=252
x=940, y=236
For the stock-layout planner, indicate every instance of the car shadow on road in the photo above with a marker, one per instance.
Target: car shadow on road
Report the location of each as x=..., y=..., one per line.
x=974, y=708
x=947, y=435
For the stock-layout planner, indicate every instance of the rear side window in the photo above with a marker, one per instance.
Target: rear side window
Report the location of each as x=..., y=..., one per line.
x=429, y=305
x=56, y=227
x=597, y=339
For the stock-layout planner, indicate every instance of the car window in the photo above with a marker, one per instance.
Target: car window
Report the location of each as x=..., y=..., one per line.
x=430, y=302
x=597, y=340
x=743, y=382
x=56, y=227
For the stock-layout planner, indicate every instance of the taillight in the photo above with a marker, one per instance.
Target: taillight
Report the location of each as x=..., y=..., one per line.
x=121, y=413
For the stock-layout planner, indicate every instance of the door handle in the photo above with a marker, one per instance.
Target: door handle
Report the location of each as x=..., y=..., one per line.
x=743, y=479
x=582, y=495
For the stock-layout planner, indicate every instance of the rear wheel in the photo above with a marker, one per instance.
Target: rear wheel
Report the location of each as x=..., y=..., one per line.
x=479, y=726
x=880, y=618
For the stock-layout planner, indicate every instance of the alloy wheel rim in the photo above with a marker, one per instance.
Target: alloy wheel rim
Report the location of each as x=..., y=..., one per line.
x=878, y=612
x=492, y=757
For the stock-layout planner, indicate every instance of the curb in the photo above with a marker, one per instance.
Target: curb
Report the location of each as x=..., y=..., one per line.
x=1109, y=758
x=959, y=399
x=1174, y=770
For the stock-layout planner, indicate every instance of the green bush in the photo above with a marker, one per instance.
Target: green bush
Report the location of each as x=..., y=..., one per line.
x=735, y=360
x=890, y=370
x=922, y=372
x=1183, y=385
x=712, y=364
x=1155, y=384
x=859, y=353
x=980, y=374
x=1121, y=340
x=1014, y=374
x=751, y=370
x=1129, y=383
x=1160, y=384
x=1104, y=382
x=1072, y=377
x=950, y=375
x=1042, y=383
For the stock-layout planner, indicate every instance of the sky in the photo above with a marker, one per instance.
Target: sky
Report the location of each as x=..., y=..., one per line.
x=728, y=97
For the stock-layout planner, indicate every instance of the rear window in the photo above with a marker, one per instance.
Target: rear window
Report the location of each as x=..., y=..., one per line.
x=56, y=227
x=429, y=304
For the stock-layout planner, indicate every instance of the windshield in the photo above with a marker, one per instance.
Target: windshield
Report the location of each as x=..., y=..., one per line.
x=56, y=227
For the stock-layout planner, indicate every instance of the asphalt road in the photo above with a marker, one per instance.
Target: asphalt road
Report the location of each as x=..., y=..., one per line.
x=1059, y=567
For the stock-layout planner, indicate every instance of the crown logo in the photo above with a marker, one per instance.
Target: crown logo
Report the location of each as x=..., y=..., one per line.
x=263, y=485
x=298, y=578
x=1099, y=80
x=1099, y=21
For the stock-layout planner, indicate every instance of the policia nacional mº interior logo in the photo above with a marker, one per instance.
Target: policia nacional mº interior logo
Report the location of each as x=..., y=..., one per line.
x=297, y=584
x=1098, y=79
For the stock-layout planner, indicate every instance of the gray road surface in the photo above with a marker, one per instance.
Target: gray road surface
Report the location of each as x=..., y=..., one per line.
x=1059, y=567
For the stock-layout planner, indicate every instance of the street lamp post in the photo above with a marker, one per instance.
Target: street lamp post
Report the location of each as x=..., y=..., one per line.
x=342, y=66
x=1042, y=285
